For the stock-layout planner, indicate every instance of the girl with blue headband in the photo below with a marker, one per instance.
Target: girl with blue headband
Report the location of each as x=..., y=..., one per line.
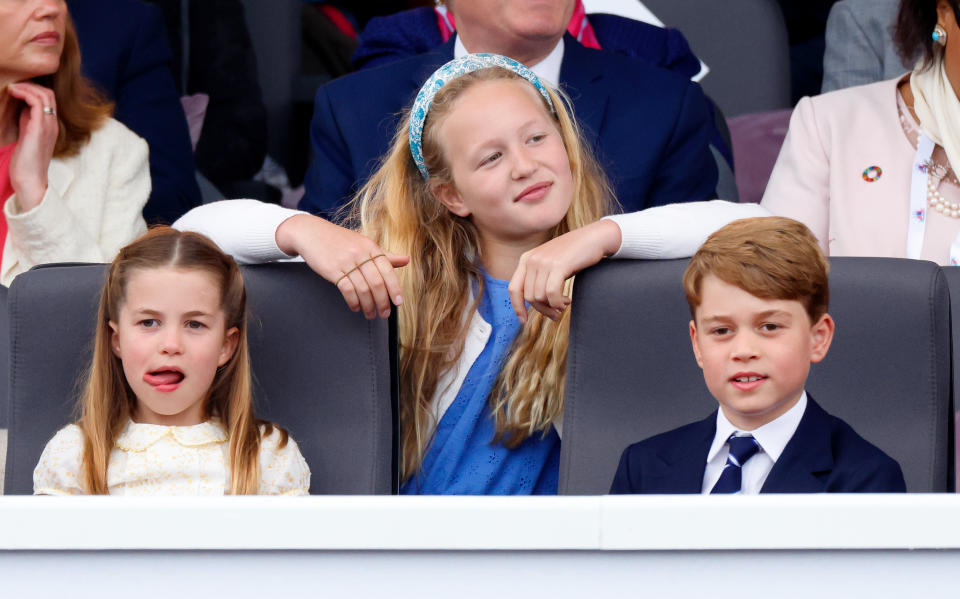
x=497, y=170
x=490, y=192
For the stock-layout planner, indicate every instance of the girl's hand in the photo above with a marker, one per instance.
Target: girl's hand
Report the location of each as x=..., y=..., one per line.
x=355, y=264
x=39, y=129
x=543, y=271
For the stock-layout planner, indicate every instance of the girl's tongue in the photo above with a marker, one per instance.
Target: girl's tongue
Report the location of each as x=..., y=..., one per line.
x=161, y=378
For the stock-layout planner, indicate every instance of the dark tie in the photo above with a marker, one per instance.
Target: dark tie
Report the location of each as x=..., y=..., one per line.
x=741, y=450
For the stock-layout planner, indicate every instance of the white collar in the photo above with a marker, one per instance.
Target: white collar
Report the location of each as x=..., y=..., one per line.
x=138, y=436
x=547, y=69
x=772, y=436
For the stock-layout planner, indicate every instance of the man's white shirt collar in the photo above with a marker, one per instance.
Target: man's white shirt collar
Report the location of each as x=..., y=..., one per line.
x=548, y=69
x=772, y=436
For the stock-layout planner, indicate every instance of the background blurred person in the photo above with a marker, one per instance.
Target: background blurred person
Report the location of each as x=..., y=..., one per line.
x=871, y=169
x=650, y=128
x=419, y=30
x=859, y=44
x=125, y=53
x=213, y=56
x=73, y=180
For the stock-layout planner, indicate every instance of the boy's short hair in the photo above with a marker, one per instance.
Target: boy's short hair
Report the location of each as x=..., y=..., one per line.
x=768, y=257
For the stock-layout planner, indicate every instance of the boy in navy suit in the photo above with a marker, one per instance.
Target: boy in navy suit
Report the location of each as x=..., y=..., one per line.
x=758, y=294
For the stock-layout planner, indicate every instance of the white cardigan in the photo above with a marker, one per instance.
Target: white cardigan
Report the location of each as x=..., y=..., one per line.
x=246, y=229
x=92, y=207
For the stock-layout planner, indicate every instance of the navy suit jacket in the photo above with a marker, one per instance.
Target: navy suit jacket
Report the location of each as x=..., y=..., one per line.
x=124, y=48
x=408, y=32
x=648, y=127
x=824, y=455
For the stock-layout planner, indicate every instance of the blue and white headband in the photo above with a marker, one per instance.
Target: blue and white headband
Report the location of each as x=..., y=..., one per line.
x=447, y=73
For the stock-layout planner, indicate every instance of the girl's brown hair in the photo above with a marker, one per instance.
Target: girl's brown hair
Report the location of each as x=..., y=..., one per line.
x=108, y=402
x=397, y=209
x=772, y=258
x=81, y=108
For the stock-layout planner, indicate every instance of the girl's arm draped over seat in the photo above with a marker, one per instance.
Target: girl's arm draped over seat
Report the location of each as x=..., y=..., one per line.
x=252, y=232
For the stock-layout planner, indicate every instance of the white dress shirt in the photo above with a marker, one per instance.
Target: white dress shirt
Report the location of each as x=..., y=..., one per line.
x=772, y=438
x=548, y=69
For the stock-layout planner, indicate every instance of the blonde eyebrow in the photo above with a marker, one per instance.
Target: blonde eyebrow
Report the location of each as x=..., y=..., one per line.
x=491, y=141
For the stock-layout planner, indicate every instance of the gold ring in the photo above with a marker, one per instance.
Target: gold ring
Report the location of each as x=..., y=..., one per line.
x=368, y=260
x=347, y=274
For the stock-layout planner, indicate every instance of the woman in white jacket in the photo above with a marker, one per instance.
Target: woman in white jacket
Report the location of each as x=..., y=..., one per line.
x=73, y=181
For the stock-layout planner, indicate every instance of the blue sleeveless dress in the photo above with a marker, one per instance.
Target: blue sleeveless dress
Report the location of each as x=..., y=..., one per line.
x=461, y=459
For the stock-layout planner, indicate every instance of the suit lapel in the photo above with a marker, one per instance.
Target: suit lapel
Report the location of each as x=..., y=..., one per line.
x=807, y=458
x=679, y=468
x=582, y=78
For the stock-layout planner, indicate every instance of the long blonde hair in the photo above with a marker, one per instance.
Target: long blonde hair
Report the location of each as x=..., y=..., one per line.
x=108, y=402
x=397, y=209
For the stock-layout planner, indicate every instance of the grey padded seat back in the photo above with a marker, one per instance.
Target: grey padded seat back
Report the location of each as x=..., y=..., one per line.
x=744, y=42
x=952, y=274
x=631, y=372
x=4, y=358
x=321, y=371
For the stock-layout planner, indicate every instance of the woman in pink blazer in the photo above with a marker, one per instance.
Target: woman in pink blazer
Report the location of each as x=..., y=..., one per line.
x=869, y=168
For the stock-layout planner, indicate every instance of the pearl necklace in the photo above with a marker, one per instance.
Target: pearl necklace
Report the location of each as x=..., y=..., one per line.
x=935, y=174
x=941, y=205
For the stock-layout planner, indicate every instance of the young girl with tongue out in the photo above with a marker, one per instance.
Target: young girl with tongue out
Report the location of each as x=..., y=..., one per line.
x=167, y=408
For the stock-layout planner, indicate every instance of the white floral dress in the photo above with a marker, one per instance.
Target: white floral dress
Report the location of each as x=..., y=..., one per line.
x=151, y=459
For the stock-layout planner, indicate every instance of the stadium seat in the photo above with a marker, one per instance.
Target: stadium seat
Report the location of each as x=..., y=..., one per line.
x=743, y=42
x=4, y=359
x=320, y=371
x=952, y=274
x=631, y=372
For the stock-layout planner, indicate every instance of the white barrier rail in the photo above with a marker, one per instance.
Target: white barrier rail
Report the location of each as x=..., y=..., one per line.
x=791, y=545
x=640, y=523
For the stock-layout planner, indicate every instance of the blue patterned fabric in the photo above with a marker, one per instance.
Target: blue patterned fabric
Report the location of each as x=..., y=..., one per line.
x=461, y=460
x=458, y=67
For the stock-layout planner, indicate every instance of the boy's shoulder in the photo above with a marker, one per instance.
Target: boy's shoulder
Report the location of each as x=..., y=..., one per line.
x=839, y=457
x=858, y=464
x=677, y=439
x=670, y=462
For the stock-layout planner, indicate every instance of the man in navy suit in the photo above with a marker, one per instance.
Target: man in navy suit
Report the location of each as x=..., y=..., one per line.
x=758, y=294
x=649, y=127
x=125, y=53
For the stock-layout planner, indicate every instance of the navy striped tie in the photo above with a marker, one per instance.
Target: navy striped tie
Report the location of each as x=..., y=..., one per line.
x=741, y=450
